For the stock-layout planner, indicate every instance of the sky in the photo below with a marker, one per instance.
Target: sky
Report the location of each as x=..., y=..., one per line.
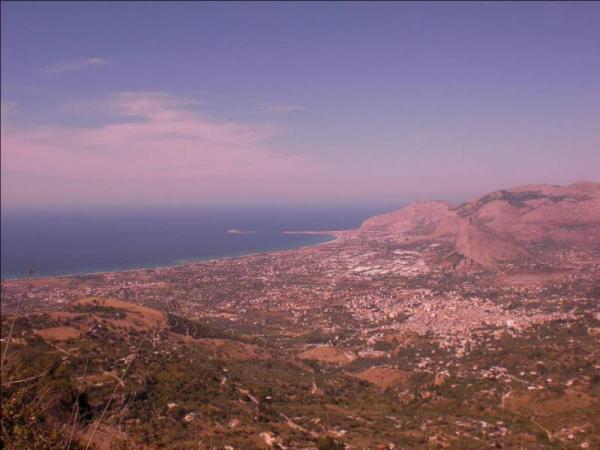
x=182, y=103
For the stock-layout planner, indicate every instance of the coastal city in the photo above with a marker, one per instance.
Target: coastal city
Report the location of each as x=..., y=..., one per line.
x=389, y=310
x=359, y=281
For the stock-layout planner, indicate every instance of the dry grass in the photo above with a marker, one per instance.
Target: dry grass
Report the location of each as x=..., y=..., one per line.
x=233, y=350
x=137, y=316
x=59, y=333
x=383, y=377
x=531, y=404
x=330, y=355
x=533, y=278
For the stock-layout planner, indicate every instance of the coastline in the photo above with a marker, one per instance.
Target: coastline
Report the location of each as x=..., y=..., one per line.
x=336, y=235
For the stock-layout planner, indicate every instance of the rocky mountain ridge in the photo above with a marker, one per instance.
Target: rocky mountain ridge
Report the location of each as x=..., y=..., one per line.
x=503, y=225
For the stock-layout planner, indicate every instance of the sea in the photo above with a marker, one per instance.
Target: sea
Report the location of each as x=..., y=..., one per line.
x=83, y=241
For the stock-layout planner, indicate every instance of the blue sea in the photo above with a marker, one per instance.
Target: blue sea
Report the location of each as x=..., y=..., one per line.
x=68, y=242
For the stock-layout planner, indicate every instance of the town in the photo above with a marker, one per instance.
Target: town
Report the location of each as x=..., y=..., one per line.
x=389, y=311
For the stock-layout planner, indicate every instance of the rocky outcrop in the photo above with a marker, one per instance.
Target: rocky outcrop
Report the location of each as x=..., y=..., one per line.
x=485, y=246
x=540, y=212
x=416, y=218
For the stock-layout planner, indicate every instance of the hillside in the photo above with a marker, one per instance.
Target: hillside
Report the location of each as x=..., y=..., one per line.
x=505, y=225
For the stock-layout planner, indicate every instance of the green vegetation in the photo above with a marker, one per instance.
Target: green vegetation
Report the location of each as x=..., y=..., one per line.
x=173, y=387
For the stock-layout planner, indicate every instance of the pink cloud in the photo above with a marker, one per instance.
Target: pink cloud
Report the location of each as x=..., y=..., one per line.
x=71, y=66
x=155, y=149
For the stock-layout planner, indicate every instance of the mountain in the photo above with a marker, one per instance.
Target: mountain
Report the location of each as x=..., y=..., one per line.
x=505, y=225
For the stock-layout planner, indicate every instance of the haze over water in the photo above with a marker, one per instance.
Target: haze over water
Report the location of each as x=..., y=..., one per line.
x=77, y=242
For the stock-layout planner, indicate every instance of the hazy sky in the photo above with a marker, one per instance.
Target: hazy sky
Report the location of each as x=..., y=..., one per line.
x=154, y=103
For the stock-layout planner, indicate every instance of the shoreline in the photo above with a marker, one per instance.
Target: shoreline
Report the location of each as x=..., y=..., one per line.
x=335, y=235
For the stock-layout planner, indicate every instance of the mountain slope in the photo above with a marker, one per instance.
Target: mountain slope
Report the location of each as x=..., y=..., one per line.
x=503, y=225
